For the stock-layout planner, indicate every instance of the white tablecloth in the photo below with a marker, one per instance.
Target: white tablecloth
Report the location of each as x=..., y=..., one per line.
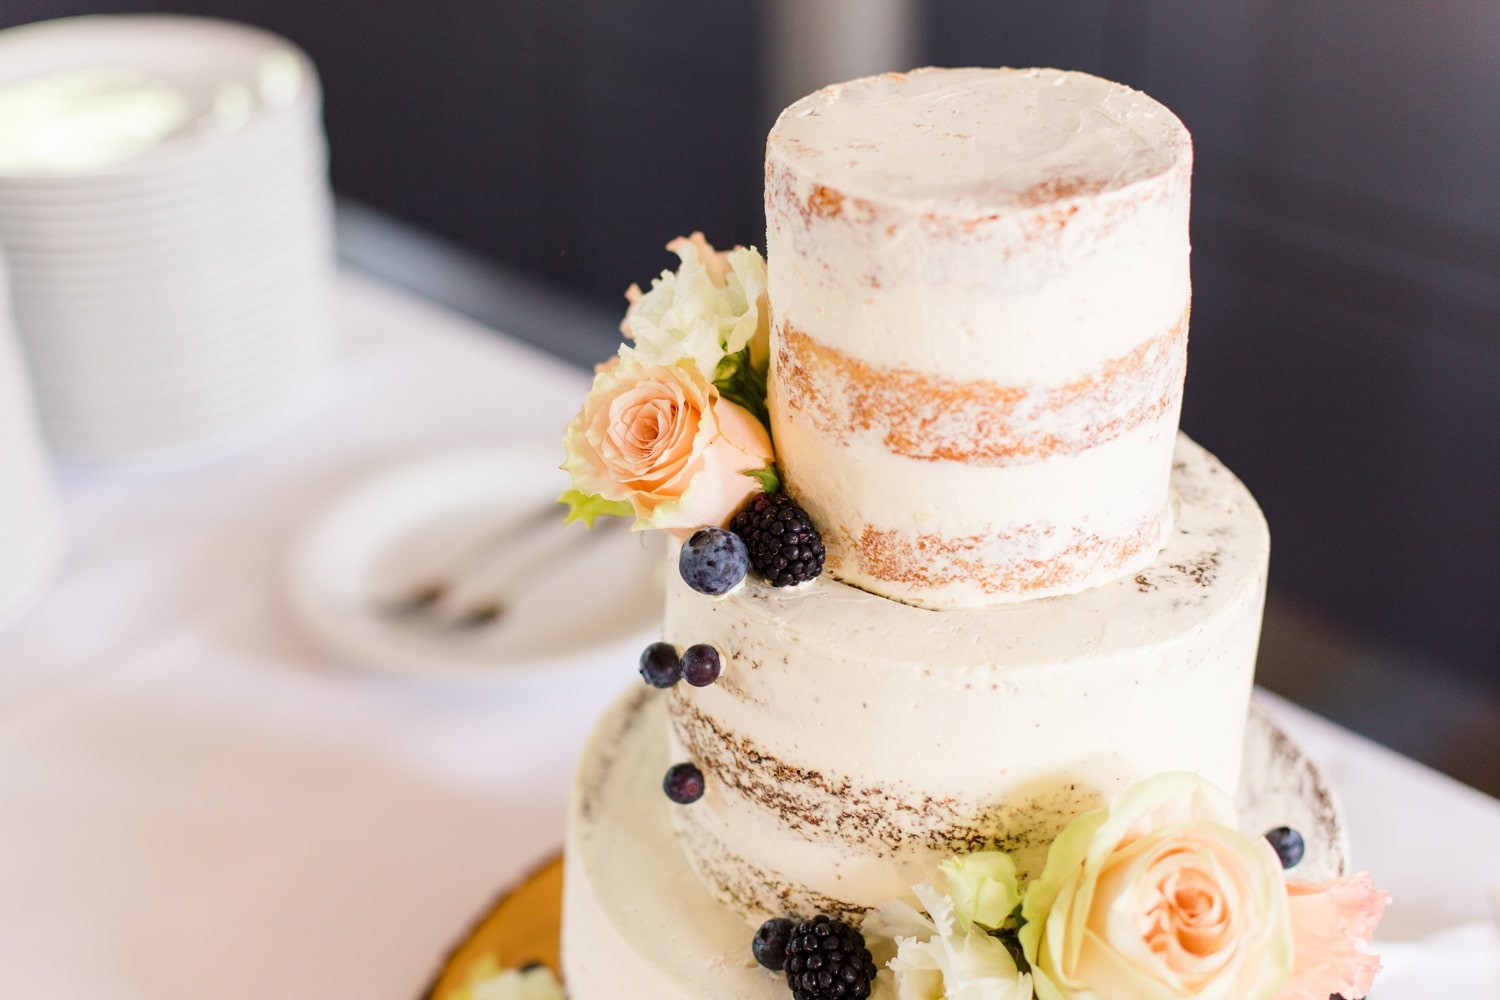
x=194, y=803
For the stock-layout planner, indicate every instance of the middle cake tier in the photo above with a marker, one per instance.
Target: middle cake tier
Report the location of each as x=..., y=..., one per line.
x=853, y=742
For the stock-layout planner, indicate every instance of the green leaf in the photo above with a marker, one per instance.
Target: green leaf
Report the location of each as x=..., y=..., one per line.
x=1012, y=942
x=767, y=477
x=739, y=382
x=586, y=507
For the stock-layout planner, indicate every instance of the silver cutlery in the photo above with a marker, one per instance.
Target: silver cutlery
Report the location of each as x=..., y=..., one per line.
x=476, y=588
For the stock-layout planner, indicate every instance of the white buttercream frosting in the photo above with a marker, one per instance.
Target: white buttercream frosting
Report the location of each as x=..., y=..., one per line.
x=978, y=140
x=637, y=925
x=979, y=280
x=851, y=741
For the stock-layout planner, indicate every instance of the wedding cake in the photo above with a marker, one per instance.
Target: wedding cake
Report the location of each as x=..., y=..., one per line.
x=951, y=599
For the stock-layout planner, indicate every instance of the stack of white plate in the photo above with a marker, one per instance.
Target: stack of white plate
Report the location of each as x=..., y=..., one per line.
x=30, y=528
x=165, y=208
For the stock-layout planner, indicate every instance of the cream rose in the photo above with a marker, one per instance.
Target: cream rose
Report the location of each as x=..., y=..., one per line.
x=663, y=440
x=1159, y=896
x=712, y=307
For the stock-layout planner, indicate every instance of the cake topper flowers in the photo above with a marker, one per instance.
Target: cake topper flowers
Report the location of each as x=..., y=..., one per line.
x=673, y=431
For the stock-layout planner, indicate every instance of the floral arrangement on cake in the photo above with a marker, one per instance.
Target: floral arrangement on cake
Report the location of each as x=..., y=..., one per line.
x=674, y=432
x=1157, y=896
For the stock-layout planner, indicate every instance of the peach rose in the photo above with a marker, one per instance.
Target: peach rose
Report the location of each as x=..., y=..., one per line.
x=661, y=439
x=1159, y=896
x=1332, y=924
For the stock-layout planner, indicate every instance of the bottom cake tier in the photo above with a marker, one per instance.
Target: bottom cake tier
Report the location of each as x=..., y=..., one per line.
x=637, y=923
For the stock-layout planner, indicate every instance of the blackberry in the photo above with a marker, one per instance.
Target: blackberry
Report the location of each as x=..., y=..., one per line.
x=683, y=784
x=785, y=547
x=713, y=561
x=701, y=665
x=827, y=960
x=1289, y=845
x=660, y=666
x=769, y=946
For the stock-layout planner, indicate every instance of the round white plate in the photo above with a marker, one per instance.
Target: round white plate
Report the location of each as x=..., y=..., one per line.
x=592, y=606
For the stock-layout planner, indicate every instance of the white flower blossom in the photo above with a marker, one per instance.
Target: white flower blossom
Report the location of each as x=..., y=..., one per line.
x=711, y=307
x=938, y=957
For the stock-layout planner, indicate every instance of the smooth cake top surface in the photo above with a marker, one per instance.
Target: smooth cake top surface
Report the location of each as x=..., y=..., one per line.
x=983, y=139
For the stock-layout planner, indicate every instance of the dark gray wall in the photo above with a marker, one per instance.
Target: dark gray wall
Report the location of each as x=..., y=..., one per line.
x=570, y=139
x=1345, y=345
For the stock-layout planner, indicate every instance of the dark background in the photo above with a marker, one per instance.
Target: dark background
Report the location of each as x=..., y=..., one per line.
x=1346, y=323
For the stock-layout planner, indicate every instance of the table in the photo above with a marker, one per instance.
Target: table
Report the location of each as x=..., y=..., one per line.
x=194, y=802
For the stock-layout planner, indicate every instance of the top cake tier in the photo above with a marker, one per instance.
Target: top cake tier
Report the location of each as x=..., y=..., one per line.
x=979, y=285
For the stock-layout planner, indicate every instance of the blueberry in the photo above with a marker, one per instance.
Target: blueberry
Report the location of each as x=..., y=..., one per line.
x=660, y=666
x=713, y=561
x=769, y=946
x=701, y=665
x=1289, y=845
x=683, y=784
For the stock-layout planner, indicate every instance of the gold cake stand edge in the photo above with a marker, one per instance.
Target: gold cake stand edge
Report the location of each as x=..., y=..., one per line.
x=524, y=925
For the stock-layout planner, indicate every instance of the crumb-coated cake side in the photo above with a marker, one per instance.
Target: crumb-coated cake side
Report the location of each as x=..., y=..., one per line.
x=980, y=291
x=852, y=742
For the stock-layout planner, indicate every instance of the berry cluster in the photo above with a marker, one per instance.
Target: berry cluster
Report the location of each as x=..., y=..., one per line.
x=824, y=959
x=661, y=667
x=775, y=536
x=785, y=548
x=771, y=534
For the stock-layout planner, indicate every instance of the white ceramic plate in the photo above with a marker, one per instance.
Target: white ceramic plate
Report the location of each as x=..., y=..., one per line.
x=296, y=146
x=590, y=608
x=199, y=290
x=271, y=200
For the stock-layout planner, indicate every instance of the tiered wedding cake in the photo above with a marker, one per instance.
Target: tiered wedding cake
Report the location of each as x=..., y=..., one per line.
x=1037, y=594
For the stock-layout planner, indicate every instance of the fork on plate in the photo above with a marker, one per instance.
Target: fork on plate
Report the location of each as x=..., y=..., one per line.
x=476, y=588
